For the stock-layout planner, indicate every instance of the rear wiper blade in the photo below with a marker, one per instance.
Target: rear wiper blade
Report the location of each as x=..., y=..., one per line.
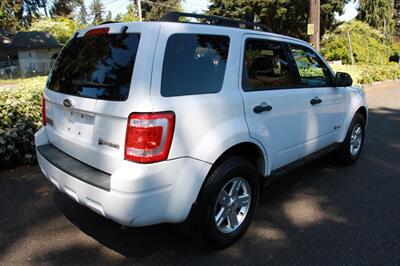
x=90, y=84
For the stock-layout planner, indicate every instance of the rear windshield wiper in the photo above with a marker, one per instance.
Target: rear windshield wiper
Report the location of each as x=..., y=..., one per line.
x=82, y=83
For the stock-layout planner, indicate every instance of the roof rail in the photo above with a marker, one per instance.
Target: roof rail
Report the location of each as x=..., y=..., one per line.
x=107, y=22
x=215, y=20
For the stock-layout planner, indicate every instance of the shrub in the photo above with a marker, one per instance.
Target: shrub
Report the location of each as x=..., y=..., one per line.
x=369, y=45
x=20, y=118
x=366, y=74
x=61, y=28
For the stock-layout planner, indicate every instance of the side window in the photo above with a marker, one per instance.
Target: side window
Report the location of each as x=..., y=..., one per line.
x=312, y=71
x=266, y=66
x=194, y=64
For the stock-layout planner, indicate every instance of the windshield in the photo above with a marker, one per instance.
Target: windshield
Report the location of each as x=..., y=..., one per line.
x=97, y=66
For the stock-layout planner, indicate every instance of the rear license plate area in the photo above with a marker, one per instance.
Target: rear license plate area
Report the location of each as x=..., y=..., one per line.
x=75, y=124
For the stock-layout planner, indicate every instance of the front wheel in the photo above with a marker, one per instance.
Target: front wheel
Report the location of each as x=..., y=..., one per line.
x=353, y=143
x=226, y=203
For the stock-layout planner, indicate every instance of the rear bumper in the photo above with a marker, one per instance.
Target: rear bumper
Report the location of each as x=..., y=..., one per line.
x=139, y=194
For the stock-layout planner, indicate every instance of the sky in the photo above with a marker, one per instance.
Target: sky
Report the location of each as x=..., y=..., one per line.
x=350, y=12
x=197, y=6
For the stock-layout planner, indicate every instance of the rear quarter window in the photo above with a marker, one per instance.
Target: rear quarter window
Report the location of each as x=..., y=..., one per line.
x=194, y=64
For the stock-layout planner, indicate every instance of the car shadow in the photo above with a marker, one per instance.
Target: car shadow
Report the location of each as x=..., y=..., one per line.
x=134, y=242
x=128, y=241
x=318, y=209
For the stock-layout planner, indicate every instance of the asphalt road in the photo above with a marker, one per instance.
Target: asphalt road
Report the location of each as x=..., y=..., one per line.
x=320, y=214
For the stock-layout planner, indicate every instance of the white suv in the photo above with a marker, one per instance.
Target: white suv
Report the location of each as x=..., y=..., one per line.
x=170, y=122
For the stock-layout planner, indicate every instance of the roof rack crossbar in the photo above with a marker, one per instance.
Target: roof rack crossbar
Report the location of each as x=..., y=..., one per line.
x=215, y=20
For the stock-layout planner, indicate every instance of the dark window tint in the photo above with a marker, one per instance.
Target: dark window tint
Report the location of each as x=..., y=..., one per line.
x=312, y=71
x=194, y=64
x=97, y=66
x=266, y=66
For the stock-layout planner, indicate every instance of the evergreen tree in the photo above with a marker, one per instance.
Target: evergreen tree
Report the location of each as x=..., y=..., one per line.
x=378, y=14
x=131, y=13
x=97, y=10
x=118, y=17
x=155, y=9
x=397, y=17
x=16, y=14
x=109, y=16
x=283, y=16
x=83, y=14
x=64, y=8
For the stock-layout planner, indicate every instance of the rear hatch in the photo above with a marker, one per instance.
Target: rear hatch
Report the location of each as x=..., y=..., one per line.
x=91, y=91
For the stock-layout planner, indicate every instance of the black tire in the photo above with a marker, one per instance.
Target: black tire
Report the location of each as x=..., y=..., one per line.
x=345, y=155
x=201, y=222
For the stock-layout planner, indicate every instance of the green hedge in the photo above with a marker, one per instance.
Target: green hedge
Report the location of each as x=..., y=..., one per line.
x=367, y=74
x=20, y=118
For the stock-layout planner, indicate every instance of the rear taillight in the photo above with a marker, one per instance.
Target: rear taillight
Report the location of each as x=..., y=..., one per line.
x=98, y=31
x=43, y=111
x=149, y=137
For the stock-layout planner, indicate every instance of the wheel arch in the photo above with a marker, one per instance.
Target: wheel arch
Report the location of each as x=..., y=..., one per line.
x=257, y=155
x=251, y=151
x=363, y=111
x=358, y=107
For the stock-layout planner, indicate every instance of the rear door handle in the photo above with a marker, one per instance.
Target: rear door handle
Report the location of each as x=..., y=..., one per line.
x=263, y=107
x=315, y=101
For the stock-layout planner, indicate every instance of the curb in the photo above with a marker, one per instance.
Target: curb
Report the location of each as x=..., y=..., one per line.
x=381, y=84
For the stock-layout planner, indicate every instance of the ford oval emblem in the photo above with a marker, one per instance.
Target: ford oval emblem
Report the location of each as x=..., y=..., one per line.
x=67, y=103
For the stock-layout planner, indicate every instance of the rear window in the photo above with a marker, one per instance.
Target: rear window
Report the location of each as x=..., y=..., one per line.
x=97, y=66
x=194, y=64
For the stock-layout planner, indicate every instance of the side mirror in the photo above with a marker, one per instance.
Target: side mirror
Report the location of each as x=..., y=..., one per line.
x=343, y=79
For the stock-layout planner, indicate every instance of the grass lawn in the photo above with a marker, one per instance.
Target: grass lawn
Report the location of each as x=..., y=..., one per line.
x=8, y=81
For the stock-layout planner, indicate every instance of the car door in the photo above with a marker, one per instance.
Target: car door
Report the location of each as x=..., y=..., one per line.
x=325, y=102
x=275, y=109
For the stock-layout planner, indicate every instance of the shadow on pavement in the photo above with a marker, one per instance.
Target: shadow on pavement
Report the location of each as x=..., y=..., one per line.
x=128, y=241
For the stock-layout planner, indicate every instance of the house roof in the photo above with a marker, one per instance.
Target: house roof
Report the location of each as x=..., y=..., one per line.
x=5, y=41
x=34, y=40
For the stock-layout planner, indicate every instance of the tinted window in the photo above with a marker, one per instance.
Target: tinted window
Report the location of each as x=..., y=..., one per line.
x=312, y=71
x=97, y=66
x=266, y=66
x=194, y=64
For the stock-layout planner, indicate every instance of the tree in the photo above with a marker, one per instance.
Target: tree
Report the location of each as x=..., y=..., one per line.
x=283, y=16
x=378, y=14
x=118, y=17
x=155, y=9
x=61, y=28
x=97, y=10
x=397, y=17
x=16, y=14
x=64, y=8
x=109, y=16
x=83, y=14
x=131, y=13
x=364, y=39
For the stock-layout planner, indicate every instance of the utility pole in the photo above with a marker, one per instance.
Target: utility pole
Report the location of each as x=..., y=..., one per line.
x=139, y=6
x=384, y=28
x=350, y=48
x=314, y=24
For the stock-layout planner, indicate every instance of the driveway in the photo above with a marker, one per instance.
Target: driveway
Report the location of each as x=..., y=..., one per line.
x=319, y=214
x=8, y=85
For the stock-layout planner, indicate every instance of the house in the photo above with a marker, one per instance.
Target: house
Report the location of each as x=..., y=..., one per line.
x=30, y=52
x=5, y=42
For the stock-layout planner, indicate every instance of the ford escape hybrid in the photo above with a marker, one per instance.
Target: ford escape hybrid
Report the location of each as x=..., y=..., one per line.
x=182, y=122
